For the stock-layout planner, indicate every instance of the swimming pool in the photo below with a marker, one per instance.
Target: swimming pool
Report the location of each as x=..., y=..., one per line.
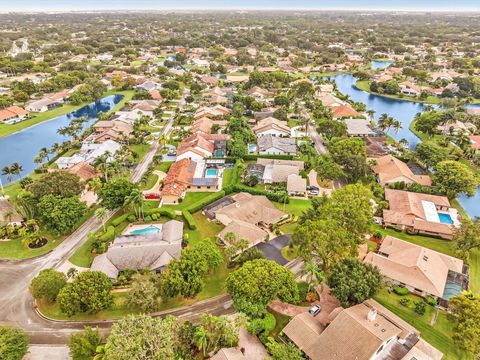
x=445, y=218
x=211, y=173
x=252, y=148
x=148, y=230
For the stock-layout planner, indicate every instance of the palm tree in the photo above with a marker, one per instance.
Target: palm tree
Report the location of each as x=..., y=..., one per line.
x=200, y=339
x=314, y=275
x=43, y=153
x=95, y=185
x=403, y=142
x=135, y=198
x=7, y=171
x=397, y=125
x=16, y=169
x=102, y=214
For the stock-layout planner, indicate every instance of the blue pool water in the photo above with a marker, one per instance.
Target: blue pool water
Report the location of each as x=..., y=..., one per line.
x=445, y=218
x=148, y=230
x=252, y=148
x=211, y=173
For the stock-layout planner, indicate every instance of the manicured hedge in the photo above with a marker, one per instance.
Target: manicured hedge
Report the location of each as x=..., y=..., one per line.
x=251, y=157
x=189, y=219
x=278, y=197
x=162, y=212
x=109, y=234
x=205, y=201
x=117, y=221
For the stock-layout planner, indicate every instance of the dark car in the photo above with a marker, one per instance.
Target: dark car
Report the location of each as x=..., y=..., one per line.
x=315, y=310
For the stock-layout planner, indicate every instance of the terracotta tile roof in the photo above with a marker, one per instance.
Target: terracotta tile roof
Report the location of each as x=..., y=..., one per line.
x=179, y=176
x=343, y=111
x=84, y=171
x=475, y=139
x=390, y=169
x=414, y=265
x=155, y=94
x=270, y=123
x=12, y=112
x=202, y=125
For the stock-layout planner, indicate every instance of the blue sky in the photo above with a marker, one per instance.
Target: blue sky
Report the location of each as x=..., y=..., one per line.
x=432, y=5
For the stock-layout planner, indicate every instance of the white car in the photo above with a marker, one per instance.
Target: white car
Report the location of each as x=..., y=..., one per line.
x=315, y=310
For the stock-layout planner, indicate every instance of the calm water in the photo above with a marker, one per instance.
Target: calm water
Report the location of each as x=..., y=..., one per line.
x=22, y=147
x=379, y=65
x=405, y=112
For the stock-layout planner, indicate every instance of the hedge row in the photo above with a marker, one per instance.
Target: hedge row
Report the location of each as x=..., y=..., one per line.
x=117, y=221
x=162, y=212
x=205, y=201
x=189, y=219
x=251, y=157
x=109, y=234
x=282, y=198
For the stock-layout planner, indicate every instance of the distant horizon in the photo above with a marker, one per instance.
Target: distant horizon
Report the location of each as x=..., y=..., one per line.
x=229, y=5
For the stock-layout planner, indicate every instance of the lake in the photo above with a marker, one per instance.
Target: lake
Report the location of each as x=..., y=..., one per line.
x=403, y=111
x=380, y=65
x=22, y=147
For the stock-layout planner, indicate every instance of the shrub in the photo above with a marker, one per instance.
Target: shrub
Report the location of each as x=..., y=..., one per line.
x=109, y=234
x=131, y=218
x=405, y=301
x=420, y=307
x=117, y=221
x=400, y=290
x=302, y=290
x=431, y=301
x=269, y=323
x=161, y=212
x=255, y=327
x=154, y=217
x=147, y=218
x=272, y=196
x=189, y=219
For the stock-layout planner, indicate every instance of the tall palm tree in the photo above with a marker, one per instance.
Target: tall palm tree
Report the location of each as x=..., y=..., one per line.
x=200, y=339
x=7, y=171
x=102, y=214
x=44, y=153
x=313, y=274
x=135, y=198
x=16, y=169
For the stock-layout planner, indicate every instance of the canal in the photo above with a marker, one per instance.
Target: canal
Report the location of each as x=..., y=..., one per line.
x=22, y=147
x=403, y=111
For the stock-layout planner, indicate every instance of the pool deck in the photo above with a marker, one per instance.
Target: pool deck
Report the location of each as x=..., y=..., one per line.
x=133, y=227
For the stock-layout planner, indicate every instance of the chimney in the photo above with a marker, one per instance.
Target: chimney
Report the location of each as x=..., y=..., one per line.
x=372, y=315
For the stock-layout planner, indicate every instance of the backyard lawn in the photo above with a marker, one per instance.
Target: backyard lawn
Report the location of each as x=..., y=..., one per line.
x=295, y=207
x=438, y=335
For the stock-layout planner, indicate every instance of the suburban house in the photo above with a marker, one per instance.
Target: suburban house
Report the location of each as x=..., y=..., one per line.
x=84, y=171
x=273, y=127
x=359, y=127
x=212, y=112
x=423, y=271
x=43, y=105
x=143, y=251
x=8, y=214
x=366, y=331
x=247, y=216
x=330, y=100
x=199, y=146
x=202, y=125
x=12, y=114
x=145, y=107
x=89, y=153
x=277, y=171
x=344, y=111
x=376, y=146
x=296, y=185
x=274, y=145
x=410, y=89
x=111, y=130
x=420, y=213
x=457, y=127
x=391, y=170
x=475, y=140
x=188, y=175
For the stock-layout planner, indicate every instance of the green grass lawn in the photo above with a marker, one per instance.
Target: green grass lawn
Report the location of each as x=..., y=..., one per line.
x=151, y=181
x=190, y=198
x=227, y=177
x=439, y=335
x=281, y=322
x=294, y=207
x=140, y=150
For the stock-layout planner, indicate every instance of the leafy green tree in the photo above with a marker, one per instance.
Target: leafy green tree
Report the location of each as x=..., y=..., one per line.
x=331, y=128
x=431, y=153
x=350, y=154
x=454, y=178
x=143, y=294
x=90, y=292
x=282, y=351
x=114, y=193
x=465, y=312
x=13, y=343
x=83, y=345
x=58, y=183
x=47, y=284
x=60, y=214
x=427, y=122
x=353, y=282
x=328, y=169
x=142, y=337
x=260, y=281
x=467, y=237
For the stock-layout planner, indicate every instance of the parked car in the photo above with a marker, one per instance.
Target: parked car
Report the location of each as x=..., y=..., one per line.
x=313, y=190
x=152, y=196
x=315, y=310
